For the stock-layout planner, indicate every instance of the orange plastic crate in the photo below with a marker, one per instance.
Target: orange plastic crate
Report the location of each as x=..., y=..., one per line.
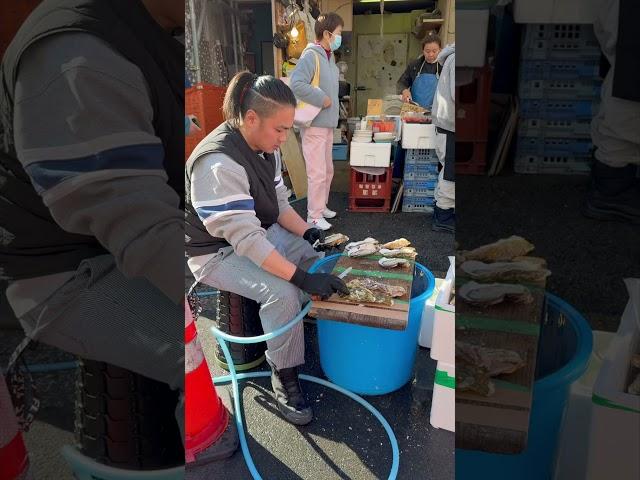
x=205, y=102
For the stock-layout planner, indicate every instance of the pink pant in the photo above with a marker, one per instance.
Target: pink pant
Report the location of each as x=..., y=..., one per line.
x=317, y=147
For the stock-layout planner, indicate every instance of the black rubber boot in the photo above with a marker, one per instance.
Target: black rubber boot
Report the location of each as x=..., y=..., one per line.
x=289, y=397
x=444, y=220
x=613, y=194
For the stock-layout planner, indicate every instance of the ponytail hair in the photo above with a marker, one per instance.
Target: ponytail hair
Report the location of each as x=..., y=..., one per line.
x=262, y=94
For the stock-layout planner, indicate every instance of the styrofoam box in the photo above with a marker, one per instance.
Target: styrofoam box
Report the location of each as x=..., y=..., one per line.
x=444, y=321
x=370, y=154
x=428, y=314
x=443, y=401
x=419, y=135
x=471, y=37
x=614, y=435
x=554, y=11
x=574, y=434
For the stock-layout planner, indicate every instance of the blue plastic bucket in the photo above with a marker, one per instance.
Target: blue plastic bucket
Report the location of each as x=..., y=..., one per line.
x=369, y=360
x=564, y=349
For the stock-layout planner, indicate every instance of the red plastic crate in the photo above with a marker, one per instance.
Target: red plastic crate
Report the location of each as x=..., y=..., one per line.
x=370, y=193
x=471, y=158
x=472, y=107
x=205, y=102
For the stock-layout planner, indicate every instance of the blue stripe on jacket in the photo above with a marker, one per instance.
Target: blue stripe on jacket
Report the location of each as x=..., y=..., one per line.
x=47, y=174
x=207, y=211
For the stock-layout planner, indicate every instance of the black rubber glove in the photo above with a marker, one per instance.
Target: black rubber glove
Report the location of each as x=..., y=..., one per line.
x=323, y=284
x=313, y=234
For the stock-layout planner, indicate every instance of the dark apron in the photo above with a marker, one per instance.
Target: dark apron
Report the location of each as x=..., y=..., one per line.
x=626, y=74
x=449, y=155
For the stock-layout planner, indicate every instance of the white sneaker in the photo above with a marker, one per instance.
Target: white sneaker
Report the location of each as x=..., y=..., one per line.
x=320, y=223
x=328, y=213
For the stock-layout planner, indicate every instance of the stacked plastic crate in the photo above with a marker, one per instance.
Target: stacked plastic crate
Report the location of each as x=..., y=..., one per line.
x=559, y=92
x=420, y=180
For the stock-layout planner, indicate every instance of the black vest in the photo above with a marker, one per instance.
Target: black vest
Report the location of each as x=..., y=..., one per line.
x=260, y=172
x=31, y=243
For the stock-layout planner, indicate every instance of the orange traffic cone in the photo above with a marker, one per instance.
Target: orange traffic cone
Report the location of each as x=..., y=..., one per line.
x=206, y=417
x=14, y=462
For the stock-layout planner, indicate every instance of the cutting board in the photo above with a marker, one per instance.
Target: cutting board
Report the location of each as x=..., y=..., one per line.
x=499, y=423
x=393, y=317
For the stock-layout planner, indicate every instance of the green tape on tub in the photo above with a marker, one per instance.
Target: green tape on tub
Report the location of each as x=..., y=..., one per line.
x=369, y=273
x=444, y=379
x=496, y=325
x=603, y=402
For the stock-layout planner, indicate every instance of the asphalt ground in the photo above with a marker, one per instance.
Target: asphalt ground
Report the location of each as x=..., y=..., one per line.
x=344, y=440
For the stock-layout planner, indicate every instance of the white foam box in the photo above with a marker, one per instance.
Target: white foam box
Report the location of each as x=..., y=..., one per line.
x=444, y=321
x=370, y=154
x=574, y=433
x=418, y=135
x=471, y=37
x=554, y=11
x=614, y=433
x=428, y=315
x=443, y=401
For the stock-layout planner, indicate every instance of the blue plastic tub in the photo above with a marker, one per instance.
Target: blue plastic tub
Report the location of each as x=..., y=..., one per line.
x=565, y=346
x=368, y=360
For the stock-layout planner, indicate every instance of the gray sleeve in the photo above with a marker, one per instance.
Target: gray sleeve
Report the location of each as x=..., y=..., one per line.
x=83, y=126
x=221, y=197
x=301, y=81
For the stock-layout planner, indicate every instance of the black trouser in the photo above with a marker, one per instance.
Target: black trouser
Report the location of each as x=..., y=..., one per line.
x=450, y=154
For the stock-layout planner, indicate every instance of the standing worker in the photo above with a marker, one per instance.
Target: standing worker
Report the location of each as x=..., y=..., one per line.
x=317, y=140
x=444, y=118
x=614, y=193
x=242, y=236
x=419, y=81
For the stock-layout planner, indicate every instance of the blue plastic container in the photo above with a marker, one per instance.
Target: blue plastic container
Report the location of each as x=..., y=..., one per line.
x=368, y=360
x=565, y=346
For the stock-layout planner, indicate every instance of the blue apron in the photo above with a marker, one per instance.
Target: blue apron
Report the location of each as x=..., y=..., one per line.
x=423, y=88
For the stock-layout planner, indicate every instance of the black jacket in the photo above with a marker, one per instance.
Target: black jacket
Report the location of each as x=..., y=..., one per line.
x=410, y=74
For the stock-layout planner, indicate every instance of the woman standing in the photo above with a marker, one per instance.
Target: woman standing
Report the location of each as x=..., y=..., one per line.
x=420, y=79
x=242, y=236
x=317, y=140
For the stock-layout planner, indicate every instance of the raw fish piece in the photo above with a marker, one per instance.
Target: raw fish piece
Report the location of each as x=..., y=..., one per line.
x=472, y=378
x=504, y=249
x=399, y=243
x=377, y=287
x=394, y=262
x=486, y=294
x=496, y=361
x=505, y=272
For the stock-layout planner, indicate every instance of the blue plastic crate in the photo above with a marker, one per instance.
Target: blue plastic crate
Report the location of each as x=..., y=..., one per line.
x=422, y=171
x=560, y=33
x=550, y=146
x=539, y=127
x=415, y=155
x=418, y=204
x=558, y=165
x=559, y=42
x=560, y=89
x=420, y=188
x=582, y=68
x=340, y=151
x=558, y=109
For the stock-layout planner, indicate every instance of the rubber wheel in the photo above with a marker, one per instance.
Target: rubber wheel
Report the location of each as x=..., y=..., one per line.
x=239, y=316
x=125, y=420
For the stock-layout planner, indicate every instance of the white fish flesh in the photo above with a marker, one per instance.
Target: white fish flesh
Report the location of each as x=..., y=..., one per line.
x=486, y=294
x=505, y=272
